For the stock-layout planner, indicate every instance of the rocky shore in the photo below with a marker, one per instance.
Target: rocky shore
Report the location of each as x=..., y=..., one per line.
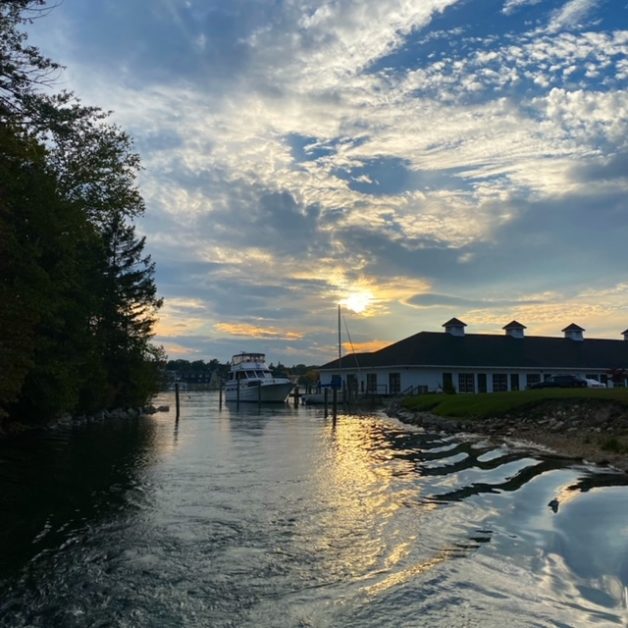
x=14, y=428
x=593, y=431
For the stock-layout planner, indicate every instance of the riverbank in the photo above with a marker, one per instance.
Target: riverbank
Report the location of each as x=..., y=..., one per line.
x=588, y=429
x=12, y=428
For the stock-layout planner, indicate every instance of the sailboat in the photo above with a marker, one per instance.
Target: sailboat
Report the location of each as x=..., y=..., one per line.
x=319, y=397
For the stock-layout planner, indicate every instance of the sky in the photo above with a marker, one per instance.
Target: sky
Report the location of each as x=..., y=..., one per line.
x=412, y=160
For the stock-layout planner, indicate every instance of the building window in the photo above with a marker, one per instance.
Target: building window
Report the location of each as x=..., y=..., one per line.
x=394, y=383
x=482, y=382
x=500, y=382
x=466, y=383
x=352, y=382
x=514, y=381
x=448, y=383
x=532, y=378
x=371, y=382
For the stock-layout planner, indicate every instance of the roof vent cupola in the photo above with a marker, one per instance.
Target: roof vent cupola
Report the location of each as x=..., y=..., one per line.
x=574, y=332
x=454, y=327
x=625, y=334
x=514, y=329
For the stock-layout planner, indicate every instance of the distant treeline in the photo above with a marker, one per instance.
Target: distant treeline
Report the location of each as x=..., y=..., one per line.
x=200, y=371
x=77, y=293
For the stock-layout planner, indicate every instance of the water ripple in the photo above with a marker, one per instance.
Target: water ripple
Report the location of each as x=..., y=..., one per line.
x=280, y=517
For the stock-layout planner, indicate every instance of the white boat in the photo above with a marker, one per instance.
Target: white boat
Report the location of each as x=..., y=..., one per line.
x=250, y=379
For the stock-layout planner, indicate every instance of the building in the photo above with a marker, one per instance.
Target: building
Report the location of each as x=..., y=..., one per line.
x=437, y=361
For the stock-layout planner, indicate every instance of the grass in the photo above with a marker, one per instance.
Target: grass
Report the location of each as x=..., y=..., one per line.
x=483, y=405
x=615, y=445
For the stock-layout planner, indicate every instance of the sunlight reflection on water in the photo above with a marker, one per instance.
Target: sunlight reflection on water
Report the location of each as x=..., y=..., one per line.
x=280, y=517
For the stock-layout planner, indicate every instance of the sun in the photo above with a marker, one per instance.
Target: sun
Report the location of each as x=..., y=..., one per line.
x=357, y=302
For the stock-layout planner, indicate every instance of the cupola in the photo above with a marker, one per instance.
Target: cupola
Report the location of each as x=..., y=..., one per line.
x=625, y=334
x=454, y=327
x=574, y=332
x=514, y=329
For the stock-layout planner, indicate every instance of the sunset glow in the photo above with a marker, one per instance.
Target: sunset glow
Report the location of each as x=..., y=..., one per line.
x=358, y=302
x=401, y=166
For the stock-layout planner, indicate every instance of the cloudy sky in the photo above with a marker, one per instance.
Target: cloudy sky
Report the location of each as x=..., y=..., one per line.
x=413, y=159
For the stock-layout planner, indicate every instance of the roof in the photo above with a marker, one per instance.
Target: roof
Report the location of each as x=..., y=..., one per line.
x=454, y=322
x=487, y=350
x=514, y=325
x=573, y=327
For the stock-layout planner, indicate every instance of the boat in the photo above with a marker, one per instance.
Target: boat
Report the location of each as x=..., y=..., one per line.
x=250, y=379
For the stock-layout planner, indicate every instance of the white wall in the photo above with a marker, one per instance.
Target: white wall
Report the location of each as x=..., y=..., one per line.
x=433, y=378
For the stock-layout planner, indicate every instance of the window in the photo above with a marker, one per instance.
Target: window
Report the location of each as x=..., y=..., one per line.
x=466, y=383
x=500, y=382
x=371, y=382
x=352, y=382
x=514, y=381
x=394, y=383
x=532, y=378
x=448, y=383
x=482, y=382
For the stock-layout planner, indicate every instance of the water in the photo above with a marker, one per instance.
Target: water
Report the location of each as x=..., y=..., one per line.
x=279, y=517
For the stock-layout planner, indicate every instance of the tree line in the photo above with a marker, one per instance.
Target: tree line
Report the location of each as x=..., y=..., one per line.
x=201, y=371
x=78, y=299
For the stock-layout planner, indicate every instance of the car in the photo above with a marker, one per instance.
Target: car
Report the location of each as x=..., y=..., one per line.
x=561, y=381
x=593, y=383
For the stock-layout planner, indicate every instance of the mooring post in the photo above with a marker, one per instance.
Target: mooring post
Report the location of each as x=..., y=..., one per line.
x=296, y=396
x=176, y=399
x=259, y=392
x=334, y=403
x=325, y=401
x=220, y=396
x=238, y=392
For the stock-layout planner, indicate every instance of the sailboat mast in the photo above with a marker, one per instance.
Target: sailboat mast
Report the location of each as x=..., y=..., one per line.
x=339, y=340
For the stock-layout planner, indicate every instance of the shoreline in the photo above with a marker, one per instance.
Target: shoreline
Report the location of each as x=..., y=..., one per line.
x=596, y=433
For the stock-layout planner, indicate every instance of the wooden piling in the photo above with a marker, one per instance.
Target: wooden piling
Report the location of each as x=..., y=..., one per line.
x=259, y=392
x=176, y=400
x=334, y=403
x=325, y=401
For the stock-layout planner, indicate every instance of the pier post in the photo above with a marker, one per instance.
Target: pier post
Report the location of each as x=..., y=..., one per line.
x=220, y=396
x=334, y=403
x=325, y=401
x=176, y=400
x=259, y=392
x=238, y=392
x=296, y=396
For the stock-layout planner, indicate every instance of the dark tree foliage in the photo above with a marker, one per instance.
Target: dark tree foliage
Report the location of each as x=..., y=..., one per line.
x=22, y=67
x=77, y=294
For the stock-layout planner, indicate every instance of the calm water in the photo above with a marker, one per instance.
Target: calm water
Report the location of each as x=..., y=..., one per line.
x=279, y=517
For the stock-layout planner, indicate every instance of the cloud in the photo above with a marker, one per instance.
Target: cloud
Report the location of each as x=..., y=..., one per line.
x=255, y=331
x=295, y=152
x=510, y=6
x=571, y=14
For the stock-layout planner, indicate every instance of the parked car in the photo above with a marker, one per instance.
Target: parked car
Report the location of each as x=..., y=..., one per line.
x=593, y=383
x=561, y=381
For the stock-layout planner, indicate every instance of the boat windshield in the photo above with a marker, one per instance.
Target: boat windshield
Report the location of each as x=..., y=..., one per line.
x=261, y=374
x=250, y=374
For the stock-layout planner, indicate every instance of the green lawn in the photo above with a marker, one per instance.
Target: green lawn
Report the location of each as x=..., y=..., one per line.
x=484, y=405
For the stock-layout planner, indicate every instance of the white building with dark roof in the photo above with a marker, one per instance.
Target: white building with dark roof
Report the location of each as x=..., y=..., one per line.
x=464, y=362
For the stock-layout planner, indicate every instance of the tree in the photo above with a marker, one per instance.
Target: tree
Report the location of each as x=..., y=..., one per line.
x=77, y=292
x=48, y=258
x=128, y=310
x=22, y=67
